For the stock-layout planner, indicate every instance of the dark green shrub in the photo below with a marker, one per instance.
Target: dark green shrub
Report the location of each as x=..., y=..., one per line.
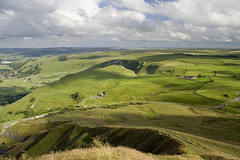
x=32, y=99
x=77, y=96
x=62, y=58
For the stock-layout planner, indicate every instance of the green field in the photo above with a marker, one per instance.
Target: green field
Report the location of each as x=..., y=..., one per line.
x=172, y=91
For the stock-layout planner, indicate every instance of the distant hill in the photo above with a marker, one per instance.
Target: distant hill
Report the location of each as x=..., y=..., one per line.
x=38, y=52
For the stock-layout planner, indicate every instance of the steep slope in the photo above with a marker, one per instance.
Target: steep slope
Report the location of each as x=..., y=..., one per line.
x=70, y=136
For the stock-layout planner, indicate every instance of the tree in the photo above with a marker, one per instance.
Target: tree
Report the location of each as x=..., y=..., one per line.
x=62, y=58
x=32, y=99
x=77, y=96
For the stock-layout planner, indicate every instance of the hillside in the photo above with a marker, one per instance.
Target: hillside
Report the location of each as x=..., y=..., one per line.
x=189, y=96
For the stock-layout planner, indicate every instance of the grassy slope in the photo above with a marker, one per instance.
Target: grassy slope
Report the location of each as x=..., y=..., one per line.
x=51, y=70
x=150, y=88
x=121, y=85
x=200, y=130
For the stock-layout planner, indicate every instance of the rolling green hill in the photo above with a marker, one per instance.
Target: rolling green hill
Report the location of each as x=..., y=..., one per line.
x=189, y=95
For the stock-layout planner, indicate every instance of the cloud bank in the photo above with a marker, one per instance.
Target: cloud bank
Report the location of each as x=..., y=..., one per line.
x=131, y=23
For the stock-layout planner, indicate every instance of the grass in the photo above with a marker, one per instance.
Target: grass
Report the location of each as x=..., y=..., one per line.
x=70, y=135
x=195, y=122
x=116, y=80
x=196, y=128
x=223, y=88
x=46, y=144
x=101, y=152
x=205, y=133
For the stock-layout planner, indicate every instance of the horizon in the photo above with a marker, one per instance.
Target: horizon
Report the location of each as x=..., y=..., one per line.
x=130, y=48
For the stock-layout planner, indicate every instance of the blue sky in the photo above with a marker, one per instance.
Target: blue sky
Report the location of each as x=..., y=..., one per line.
x=120, y=23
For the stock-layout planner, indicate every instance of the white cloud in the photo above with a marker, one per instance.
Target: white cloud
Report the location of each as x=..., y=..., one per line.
x=180, y=35
x=80, y=21
x=204, y=12
x=27, y=38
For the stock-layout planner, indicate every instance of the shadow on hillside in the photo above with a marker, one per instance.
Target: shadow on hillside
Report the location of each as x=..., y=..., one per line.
x=215, y=128
x=133, y=65
x=98, y=75
x=9, y=95
x=103, y=75
x=163, y=57
x=95, y=57
x=159, y=57
x=11, y=90
x=74, y=136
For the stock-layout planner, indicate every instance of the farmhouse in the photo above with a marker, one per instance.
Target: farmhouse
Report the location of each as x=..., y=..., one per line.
x=102, y=94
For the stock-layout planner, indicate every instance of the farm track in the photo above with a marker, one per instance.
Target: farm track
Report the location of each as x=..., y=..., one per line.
x=10, y=124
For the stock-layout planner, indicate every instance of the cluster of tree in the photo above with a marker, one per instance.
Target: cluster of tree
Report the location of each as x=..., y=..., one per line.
x=27, y=113
x=8, y=99
x=62, y=58
x=115, y=106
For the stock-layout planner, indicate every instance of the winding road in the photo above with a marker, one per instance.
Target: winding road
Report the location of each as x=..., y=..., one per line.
x=10, y=124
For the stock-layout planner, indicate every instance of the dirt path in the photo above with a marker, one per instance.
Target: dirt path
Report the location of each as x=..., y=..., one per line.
x=10, y=124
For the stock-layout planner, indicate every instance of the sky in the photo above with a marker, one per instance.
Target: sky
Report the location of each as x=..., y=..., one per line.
x=120, y=23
